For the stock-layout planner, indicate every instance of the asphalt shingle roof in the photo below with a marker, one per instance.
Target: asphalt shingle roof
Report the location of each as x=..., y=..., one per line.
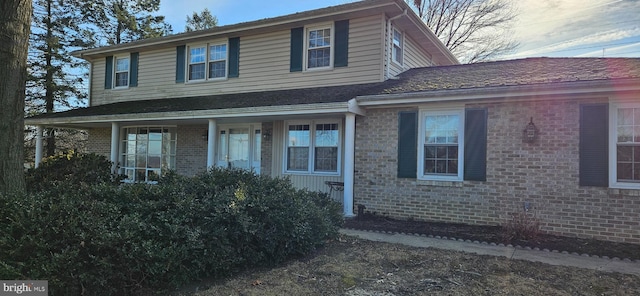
x=530, y=71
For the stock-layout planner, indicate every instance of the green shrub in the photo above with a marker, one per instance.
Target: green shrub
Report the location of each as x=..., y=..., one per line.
x=131, y=239
x=71, y=168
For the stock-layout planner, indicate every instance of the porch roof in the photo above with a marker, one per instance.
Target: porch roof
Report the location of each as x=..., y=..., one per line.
x=501, y=77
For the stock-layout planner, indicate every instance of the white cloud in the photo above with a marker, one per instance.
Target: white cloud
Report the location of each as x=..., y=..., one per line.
x=547, y=26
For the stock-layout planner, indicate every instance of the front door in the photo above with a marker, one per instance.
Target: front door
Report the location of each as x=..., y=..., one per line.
x=239, y=147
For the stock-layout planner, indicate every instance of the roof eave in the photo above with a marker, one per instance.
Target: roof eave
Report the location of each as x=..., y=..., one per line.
x=235, y=30
x=247, y=112
x=535, y=91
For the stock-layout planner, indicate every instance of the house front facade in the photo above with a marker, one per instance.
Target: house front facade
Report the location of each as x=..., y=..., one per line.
x=364, y=95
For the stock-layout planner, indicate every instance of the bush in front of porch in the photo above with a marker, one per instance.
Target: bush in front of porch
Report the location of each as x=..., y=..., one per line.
x=128, y=239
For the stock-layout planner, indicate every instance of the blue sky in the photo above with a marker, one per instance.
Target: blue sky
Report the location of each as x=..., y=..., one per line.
x=554, y=28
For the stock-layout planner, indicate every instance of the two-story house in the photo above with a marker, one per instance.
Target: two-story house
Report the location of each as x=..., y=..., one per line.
x=365, y=95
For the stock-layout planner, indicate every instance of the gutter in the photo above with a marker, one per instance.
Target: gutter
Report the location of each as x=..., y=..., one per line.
x=290, y=110
x=622, y=88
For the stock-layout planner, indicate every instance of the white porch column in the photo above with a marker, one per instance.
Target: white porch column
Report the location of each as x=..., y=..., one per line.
x=39, y=146
x=115, y=141
x=349, y=162
x=211, y=143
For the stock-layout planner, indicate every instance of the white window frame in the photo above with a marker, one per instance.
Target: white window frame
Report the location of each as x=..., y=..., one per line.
x=395, y=48
x=123, y=152
x=307, y=30
x=311, y=170
x=421, y=144
x=189, y=63
x=115, y=71
x=207, y=61
x=613, y=145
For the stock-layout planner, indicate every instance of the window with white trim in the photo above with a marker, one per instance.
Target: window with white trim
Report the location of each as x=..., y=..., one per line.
x=625, y=130
x=147, y=152
x=440, y=150
x=122, y=72
x=319, y=47
x=207, y=62
x=398, y=47
x=313, y=147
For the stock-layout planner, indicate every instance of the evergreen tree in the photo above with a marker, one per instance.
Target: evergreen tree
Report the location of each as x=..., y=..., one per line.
x=201, y=21
x=120, y=21
x=55, y=78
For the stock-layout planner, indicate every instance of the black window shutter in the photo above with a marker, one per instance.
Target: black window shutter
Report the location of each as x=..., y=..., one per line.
x=133, y=69
x=475, y=144
x=341, y=49
x=594, y=145
x=180, y=62
x=407, y=144
x=108, y=73
x=297, y=46
x=234, y=57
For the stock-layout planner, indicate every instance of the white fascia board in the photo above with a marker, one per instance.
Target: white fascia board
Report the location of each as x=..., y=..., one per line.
x=569, y=90
x=307, y=109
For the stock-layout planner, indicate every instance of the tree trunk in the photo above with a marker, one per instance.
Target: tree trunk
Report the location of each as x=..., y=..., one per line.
x=15, y=21
x=49, y=84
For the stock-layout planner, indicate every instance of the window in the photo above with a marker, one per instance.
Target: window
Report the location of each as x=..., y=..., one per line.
x=398, y=45
x=197, y=59
x=441, y=145
x=207, y=64
x=313, y=147
x=147, y=152
x=319, y=48
x=626, y=138
x=122, y=72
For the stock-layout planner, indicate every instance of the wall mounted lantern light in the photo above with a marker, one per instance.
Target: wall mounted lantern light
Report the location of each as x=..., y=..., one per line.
x=530, y=133
x=266, y=134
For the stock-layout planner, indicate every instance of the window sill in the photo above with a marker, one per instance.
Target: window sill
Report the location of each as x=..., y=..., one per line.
x=625, y=186
x=439, y=183
x=319, y=69
x=120, y=87
x=206, y=80
x=313, y=174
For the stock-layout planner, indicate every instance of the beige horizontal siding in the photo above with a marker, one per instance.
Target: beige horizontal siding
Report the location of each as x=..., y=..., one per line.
x=264, y=65
x=414, y=56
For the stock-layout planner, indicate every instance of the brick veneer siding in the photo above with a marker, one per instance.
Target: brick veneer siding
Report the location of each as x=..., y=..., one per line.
x=99, y=141
x=191, y=150
x=543, y=174
x=266, y=149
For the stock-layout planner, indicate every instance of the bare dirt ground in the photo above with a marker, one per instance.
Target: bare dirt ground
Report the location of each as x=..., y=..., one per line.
x=496, y=234
x=354, y=267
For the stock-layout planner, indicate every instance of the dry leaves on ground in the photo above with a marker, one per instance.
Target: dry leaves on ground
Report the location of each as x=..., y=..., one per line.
x=355, y=267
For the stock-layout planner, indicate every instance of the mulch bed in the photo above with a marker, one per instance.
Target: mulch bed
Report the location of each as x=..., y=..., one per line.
x=495, y=234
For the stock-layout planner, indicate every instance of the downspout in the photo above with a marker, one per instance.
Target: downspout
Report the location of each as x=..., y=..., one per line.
x=387, y=43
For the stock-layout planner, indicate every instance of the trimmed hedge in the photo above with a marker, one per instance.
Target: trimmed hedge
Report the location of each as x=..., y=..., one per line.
x=102, y=239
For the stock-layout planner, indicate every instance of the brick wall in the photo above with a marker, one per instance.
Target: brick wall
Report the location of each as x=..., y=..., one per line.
x=266, y=151
x=100, y=141
x=543, y=174
x=191, y=149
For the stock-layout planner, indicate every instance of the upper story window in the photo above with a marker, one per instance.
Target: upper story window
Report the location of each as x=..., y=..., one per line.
x=626, y=139
x=319, y=47
x=207, y=62
x=122, y=72
x=398, y=47
x=313, y=147
x=441, y=145
x=218, y=61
